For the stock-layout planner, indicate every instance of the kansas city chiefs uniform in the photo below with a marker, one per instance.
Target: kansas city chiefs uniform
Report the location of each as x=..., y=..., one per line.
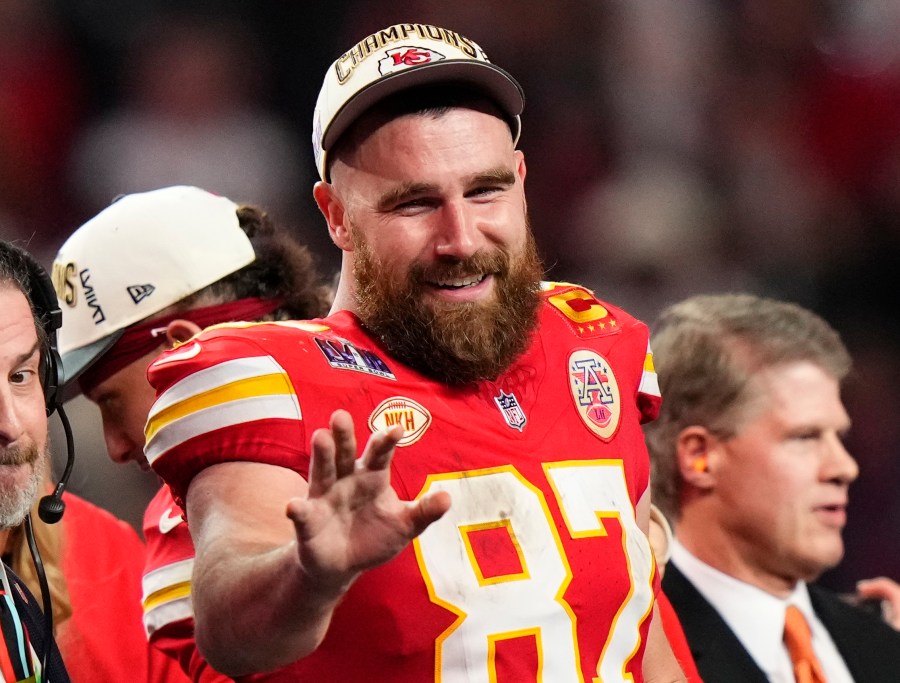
x=168, y=564
x=537, y=572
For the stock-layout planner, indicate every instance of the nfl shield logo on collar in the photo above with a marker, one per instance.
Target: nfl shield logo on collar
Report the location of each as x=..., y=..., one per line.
x=511, y=410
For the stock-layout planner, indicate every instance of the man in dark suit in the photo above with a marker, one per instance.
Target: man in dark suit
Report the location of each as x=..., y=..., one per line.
x=749, y=464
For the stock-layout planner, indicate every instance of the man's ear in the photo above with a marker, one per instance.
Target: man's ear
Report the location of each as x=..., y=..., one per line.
x=521, y=171
x=695, y=450
x=332, y=209
x=180, y=330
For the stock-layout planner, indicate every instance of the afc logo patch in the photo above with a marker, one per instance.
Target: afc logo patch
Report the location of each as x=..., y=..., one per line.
x=595, y=392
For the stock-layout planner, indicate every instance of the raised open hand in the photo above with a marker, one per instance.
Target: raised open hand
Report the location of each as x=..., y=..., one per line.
x=352, y=519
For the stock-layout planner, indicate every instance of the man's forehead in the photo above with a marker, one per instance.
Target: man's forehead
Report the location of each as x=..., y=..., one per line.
x=18, y=334
x=15, y=306
x=385, y=115
x=430, y=142
x=380, y=116
x=795, y=390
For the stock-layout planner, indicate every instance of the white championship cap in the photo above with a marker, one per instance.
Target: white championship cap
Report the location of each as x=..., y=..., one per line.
x=138, y=256
x=400, y=57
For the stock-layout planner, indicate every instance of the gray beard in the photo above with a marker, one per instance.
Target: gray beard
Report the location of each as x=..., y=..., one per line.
x=16, y=503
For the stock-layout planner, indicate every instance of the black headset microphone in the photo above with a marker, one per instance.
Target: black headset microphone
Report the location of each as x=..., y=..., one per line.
x=48, y=312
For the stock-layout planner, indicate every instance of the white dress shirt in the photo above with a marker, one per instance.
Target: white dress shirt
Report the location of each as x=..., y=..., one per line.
x=757, y=619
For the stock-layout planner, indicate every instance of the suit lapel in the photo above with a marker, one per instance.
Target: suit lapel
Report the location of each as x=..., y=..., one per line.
x=869, y=647
x=719, y=655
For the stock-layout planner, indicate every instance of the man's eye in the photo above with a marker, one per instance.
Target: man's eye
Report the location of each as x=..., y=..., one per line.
x=808, y=436
x=414, y=204
x=22, y=376
x=485, y=191
x=413, y=207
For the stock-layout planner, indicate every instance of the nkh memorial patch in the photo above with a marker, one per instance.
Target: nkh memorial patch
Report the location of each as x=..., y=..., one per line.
x=399, y=410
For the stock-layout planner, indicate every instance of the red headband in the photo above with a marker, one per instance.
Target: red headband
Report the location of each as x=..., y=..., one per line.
x=140, y=339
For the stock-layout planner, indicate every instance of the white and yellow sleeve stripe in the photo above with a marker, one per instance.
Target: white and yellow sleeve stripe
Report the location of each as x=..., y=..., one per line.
x=649, y=381
x=167, y=595
x=231, y=393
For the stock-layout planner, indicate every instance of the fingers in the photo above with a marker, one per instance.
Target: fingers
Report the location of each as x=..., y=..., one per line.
x=322, y=472
x=380, y=448
x=333, y=453
x=879, y=587
x=888, y=591
x=298, y=512
x=345, y=442
x=428, y=509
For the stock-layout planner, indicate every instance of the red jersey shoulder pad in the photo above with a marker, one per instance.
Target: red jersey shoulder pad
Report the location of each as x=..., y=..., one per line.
x=218, y=393
x=585, y=314
x=218, y=342
x=590, y=318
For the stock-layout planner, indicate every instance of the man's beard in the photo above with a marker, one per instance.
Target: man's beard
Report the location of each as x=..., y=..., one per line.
x=16, y=501
x=453, y=342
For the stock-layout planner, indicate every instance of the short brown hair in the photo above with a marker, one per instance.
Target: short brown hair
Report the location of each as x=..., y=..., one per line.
x=706, y=349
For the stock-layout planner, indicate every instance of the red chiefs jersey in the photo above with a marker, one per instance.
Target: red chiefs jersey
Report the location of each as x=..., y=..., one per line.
x=169, y=562
x=537, y=572
x=101, y=562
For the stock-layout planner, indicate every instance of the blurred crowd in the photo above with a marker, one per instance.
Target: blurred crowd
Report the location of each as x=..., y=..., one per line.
x=673, y=148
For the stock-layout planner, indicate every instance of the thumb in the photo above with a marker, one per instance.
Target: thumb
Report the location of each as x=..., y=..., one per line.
x=299, y=510
x=428, y=509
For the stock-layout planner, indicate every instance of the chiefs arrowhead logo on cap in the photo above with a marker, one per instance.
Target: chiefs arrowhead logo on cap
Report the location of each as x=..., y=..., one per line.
x=401, y=57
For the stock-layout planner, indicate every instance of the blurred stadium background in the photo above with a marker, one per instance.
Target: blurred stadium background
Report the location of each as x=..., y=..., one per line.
x=673, y=148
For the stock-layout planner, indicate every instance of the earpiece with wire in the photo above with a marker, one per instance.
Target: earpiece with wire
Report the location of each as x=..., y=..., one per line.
x=46, y=307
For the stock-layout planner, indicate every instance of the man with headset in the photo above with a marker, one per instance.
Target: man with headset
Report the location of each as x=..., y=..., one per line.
x=27, y=395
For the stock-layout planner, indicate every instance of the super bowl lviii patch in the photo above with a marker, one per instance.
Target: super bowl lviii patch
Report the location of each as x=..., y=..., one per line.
x=399, y=410
x=343, y=355
x=595, y=392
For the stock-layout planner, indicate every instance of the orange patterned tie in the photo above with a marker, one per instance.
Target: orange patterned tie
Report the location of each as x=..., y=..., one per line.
x=798, y=639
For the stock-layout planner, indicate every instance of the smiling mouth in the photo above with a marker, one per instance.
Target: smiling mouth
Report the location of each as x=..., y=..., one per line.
x=459, y=283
